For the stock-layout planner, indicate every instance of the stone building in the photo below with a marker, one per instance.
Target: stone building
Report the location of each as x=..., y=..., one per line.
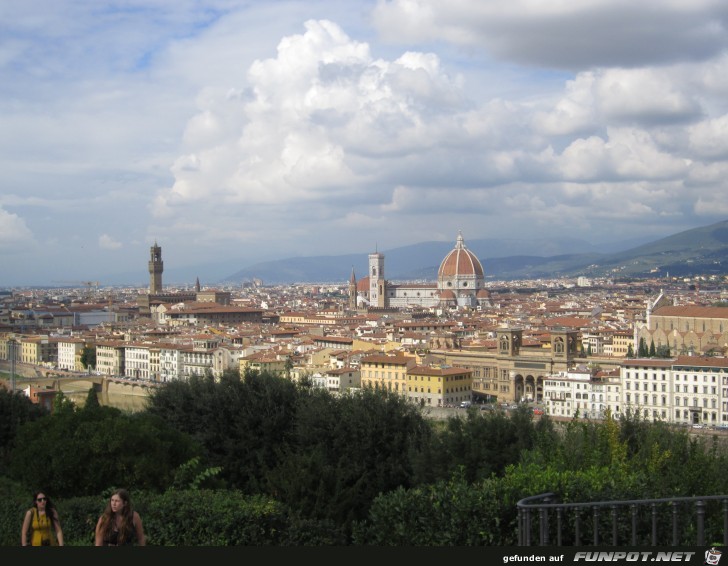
x=684, y=329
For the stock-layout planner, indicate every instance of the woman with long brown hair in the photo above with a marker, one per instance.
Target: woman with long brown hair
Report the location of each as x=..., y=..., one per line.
x=119, y=525
x=42, y=520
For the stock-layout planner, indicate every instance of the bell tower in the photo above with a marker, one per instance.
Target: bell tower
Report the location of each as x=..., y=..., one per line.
x=352, y=291
x=156, y=266
x=377, y=291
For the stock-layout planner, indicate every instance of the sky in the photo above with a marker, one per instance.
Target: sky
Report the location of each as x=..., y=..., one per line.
x=233, y=132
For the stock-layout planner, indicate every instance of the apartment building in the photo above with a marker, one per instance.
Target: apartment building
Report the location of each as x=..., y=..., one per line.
x=110, y=357
x=682, y=390
x=70, y=351
x=197, y=361
x=386, y=371
x=170, y=362
x=38, y=350
x=266, y=361
x=226, y=357
x=583, y=392
x=439, y=386
x=620, y=345
x=136, y=361
x=338, y=380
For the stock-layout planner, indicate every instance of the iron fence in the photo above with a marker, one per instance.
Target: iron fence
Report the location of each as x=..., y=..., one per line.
x=673, y=521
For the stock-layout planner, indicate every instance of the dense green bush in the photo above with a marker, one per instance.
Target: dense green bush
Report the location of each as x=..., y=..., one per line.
x=16, y=409
x=212, y=518
x=14, y=502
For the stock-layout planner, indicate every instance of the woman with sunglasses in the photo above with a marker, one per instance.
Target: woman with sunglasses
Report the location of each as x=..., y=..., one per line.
x=41, y=520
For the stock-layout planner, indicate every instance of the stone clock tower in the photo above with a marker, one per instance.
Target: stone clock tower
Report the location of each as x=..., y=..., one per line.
x=156, y=266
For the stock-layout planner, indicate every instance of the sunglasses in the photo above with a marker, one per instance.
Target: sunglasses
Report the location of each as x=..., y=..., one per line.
x=41, y=499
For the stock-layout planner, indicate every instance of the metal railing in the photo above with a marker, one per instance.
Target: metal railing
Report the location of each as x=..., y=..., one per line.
x=673, y=521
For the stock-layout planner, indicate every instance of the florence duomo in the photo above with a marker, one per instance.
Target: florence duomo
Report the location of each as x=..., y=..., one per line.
x=459, y=285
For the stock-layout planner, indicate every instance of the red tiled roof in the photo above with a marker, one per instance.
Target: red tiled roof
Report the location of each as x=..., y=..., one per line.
x=692, y=311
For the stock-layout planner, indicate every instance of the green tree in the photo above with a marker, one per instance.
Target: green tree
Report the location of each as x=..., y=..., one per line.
x=345, y=450
x=92, y=400
x=325, y=457
x=480, y=445
x=84, y=451
x=662, y=351
x=16, y=409
x=243, y=423
x=630, y=351
x=652, y=351
x=88, y=356
x=642, y=349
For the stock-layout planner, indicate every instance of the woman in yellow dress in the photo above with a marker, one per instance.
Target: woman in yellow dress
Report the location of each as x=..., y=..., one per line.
x=40, y=521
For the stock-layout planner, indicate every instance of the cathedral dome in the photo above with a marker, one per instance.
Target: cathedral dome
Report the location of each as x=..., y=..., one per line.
x=362, y=286
x=460, y=262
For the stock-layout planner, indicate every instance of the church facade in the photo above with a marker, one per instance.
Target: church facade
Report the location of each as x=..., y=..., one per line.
x=686, y=329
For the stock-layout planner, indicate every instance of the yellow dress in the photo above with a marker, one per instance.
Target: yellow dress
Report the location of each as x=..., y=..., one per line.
x=42, y=531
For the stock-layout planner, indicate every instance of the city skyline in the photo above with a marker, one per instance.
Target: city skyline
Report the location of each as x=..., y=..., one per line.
x=233, y=134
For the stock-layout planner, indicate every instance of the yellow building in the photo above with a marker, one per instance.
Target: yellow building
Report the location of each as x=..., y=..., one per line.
x=38, y=350
x=264, y=362
x=386, y=371
x=9, y=343
x=621, y=341
x=432, y=386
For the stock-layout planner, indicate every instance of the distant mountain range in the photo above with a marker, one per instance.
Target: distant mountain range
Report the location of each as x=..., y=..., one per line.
x=698, y=251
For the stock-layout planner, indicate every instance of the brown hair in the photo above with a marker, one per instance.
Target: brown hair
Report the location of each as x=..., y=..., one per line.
x=108, y=522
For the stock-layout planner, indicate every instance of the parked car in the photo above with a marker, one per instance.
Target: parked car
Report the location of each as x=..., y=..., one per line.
x=537, y=411
x=465, y=404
